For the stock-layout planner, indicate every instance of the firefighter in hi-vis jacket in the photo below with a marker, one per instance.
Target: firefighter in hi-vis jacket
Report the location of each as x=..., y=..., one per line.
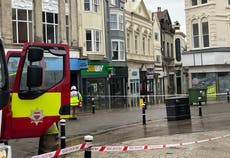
x=75, y=101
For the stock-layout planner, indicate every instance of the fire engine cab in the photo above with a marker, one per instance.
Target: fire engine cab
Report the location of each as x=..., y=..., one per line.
x=39, y=93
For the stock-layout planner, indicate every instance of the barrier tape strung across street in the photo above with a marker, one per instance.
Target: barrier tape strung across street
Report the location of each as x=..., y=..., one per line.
x=150, y=95
x=121, y=148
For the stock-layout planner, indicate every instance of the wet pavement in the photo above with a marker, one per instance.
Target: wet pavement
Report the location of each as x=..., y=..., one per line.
x=125, y=125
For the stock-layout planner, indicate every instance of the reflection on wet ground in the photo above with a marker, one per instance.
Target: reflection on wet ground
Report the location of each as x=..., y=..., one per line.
x=160, y=128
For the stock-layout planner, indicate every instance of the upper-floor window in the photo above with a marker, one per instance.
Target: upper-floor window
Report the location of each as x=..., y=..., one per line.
x=149, y=45
x=50, y=27
x=163, y=48
x=113, y=2
x=178, y=50
x=93, y=40
x=156, y=35
x=194, y=2
x=172, y=50
x=204, y=1
x=158, y=58
x=128, y=41
x=136, y=43
x=195, y=31
x=67, y=28
x=116, y=22
x=118, y=50
x=92, y=5
x=167, y=49
x=143, y=43
x=205, y=34
x=22, y=25
x=228, y=2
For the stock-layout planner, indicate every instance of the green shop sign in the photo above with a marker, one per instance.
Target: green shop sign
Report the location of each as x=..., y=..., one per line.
x=97, y=69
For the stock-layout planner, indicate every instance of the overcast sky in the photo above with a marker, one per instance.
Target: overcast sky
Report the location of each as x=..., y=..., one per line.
x=174, y=7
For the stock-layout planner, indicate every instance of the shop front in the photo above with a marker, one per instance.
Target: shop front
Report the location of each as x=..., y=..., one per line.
x=95, y=83
x=217, y=83
x=118, y=87
x=76, y=65
x=150, y=86
x=134, y=87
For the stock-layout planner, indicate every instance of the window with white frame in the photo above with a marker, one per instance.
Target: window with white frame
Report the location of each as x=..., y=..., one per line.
x=22, y=25
x=93, y=40
x=50, y=27
x=118, y=51
x=92, y=5
x=194, y=2
x=116, y=21
x=195, y=31
x=228, y=2
x=113, y=2
x=205, y=34
x=136, y=43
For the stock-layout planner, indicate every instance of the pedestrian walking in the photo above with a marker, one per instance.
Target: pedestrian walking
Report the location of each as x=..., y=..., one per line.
x=75, y=101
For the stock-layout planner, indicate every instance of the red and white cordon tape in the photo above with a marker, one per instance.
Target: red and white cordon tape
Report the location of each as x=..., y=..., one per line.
x=121, y=148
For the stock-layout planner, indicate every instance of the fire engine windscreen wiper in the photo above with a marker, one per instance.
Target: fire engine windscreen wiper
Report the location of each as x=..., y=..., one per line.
x=57, y=52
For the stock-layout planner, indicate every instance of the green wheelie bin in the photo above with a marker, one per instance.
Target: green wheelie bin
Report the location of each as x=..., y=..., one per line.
x=196, y=93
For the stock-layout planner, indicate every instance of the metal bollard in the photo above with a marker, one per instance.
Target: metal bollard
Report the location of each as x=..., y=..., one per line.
x=88, y=140
x=93, y=106
x=63, y=137
x=143, y=114
x=228, y=95
x=200, y=108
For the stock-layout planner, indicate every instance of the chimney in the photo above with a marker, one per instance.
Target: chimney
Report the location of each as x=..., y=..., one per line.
x=158, y=9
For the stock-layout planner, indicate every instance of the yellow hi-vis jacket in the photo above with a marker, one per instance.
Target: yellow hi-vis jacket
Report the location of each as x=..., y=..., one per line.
x=75, y=99
x=52, y=129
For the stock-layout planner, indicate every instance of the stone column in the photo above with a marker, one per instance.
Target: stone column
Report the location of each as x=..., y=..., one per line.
x=73, y=22
x=6, y=22
x=37, y=19
x=62, y=22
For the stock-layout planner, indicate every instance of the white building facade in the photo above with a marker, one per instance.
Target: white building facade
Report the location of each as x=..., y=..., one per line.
x=208, y=37
x=140, y=53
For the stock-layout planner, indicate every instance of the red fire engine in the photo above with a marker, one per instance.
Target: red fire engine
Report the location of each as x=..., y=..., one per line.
x=40, y=83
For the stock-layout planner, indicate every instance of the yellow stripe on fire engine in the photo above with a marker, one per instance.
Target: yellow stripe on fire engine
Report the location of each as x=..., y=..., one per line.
x=48, y=103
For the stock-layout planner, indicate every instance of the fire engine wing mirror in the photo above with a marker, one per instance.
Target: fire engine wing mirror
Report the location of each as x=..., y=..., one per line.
x=34, y=76
x=57, y=52
x=35, y=54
